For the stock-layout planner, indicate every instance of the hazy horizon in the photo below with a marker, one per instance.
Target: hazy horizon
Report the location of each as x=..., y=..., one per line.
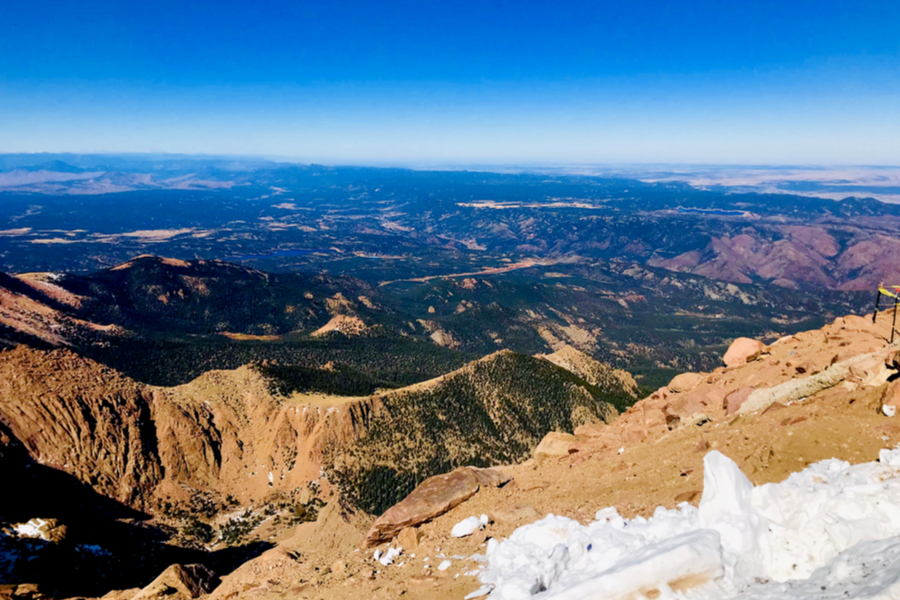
x=419, y=164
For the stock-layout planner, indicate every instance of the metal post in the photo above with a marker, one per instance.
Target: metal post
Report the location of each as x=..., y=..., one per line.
x=894, y=323
x=877, y=300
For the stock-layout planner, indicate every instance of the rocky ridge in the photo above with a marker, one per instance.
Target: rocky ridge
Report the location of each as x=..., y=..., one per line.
x=816, y=395
x=214, y=460
x=158, y=294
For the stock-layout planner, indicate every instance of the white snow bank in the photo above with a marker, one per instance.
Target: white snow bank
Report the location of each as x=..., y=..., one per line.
x=830, y=531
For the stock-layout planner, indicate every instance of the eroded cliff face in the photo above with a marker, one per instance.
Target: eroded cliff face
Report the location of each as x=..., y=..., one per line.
x=227, y=432
x=84, y=419
x=230, y=432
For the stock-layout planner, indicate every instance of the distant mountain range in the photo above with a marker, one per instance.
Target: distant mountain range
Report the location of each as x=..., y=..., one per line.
x=166, y=321
x=106, y=209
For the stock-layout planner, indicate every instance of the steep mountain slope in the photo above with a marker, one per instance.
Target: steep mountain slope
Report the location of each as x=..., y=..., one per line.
x=592, y=371
x=223, y=433
x=236, y=433
x=494, y=410
x=82, y=418
x=797, y=256
x=774, y=410
x=212, y=459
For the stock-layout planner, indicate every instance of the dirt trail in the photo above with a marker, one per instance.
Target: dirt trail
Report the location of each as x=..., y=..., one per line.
x=525, y=264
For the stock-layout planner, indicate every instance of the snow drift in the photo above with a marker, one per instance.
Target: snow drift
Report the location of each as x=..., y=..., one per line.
x=830, y=531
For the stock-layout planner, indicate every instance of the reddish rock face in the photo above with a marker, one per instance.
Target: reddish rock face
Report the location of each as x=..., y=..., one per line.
x=682, y=408
x=871, y=371
x=741, y=351
x=435, y=496
x=892, y=360
x=181, y=583
x=715, y=395
x=591, y=430
x=734, y=400
x=857, y=323
x=634, y=435
x=891, y=395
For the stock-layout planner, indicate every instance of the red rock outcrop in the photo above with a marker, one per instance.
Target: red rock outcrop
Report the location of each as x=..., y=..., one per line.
x=180, y=582
x=435, y=496
x=741, y=351
x=82, y=418
x=554, y=444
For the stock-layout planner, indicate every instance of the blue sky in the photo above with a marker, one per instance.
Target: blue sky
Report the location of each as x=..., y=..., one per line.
x=789, y=82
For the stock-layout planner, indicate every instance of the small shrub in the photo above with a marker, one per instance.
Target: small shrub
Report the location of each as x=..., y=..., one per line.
x=197, y=531
x=307, y=512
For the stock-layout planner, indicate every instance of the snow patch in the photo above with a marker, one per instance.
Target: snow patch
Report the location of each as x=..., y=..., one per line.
x=389, y=556
x=830, y=531
x=32, y=529
x=469, y=526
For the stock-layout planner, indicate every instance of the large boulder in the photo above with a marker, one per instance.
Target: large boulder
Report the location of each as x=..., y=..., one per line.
x=686, y=382
x=742, y=350
x=892, y=359
x=180, y=582
x=434, y=496
x=554, y=445
x=857, y=323
x=683, y=408
x=409, y=539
